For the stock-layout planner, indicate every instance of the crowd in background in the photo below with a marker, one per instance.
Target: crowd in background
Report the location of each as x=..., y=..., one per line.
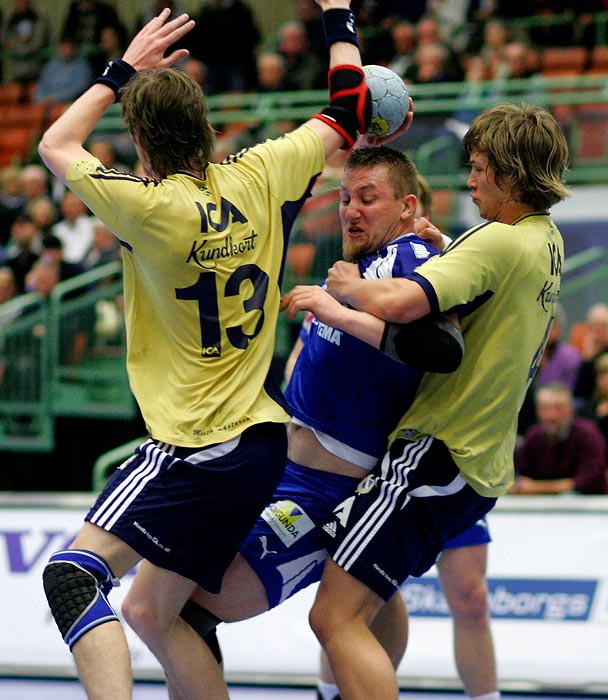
x=47, y=235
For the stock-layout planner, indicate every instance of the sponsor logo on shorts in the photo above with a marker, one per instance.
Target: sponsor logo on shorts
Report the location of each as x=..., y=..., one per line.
x=151, y=537
x=366, y=484
x=383, y=573
x=287, y=520
x=331, y=528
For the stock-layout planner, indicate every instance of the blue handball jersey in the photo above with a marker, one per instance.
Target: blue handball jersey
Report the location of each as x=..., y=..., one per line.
x=346, y=388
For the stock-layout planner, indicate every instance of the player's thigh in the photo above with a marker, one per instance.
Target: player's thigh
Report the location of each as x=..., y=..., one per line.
x=342, y=599
x=119, y=556
x=462, y=572
x=242, y=596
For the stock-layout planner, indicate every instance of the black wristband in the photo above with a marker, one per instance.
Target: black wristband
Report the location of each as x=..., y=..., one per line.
x=339, y=25
x=116, y=75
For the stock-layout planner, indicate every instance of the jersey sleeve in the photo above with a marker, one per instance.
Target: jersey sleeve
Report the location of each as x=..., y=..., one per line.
x=472, y=268
x=286, y=162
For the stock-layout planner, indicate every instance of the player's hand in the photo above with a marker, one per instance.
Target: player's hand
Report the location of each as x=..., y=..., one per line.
x=370, y=139
x=424, y=229
x=314, y=299
x=339, y=276
x=147, y=48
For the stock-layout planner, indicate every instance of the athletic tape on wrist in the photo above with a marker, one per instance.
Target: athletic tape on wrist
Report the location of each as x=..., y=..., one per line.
x=339, y=25
x=116, y=75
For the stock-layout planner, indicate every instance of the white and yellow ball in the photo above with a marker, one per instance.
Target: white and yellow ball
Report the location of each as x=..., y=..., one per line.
x=390, y=99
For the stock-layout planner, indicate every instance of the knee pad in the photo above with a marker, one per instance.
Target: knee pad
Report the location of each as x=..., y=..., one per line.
x=204, y=624
x=76, y=584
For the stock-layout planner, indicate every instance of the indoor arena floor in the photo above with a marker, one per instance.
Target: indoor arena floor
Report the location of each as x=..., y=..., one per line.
x=42, y=689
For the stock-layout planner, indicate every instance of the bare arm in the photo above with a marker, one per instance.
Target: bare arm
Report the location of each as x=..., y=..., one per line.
x=63, y=141
x=397, y=300
x=364, y=326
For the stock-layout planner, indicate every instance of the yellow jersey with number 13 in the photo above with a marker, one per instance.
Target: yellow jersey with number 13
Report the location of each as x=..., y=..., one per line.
x=202, y=261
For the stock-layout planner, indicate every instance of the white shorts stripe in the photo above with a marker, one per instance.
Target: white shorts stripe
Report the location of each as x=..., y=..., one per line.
x=395, y=472
x=120, y=499
x=448, y=490
x=373, y=520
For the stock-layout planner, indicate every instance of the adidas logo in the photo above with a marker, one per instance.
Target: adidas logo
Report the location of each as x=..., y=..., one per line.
x=330, y=528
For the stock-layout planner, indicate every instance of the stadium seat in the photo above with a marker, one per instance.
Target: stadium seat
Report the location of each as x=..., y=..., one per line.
x=563, y=61
x=598, y=62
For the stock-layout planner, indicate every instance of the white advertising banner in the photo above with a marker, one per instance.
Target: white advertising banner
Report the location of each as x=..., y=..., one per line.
x=548, y=579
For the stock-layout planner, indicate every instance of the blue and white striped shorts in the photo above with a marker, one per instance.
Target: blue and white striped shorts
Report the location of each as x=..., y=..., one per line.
x=402, y=515
x=189, y=510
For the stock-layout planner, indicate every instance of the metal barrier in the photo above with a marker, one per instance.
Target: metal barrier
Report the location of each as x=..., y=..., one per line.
x=62, y=356
x=88, y=346
x=26, y=423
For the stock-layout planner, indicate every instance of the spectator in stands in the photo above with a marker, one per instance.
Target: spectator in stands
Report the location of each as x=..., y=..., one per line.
x=492, y=50
x=272, y=73
x=432, y=64
x=596, y=408
x=8, y=284
x=225, y=39
x=11, y=200
x=33, y=182
x=106, y=152
x=111, y=46
x=77, y=329
x=304, y=69
x=197, y=70
x=562, y=452
x=560, y=362
x=403, y=36
x=307, y=12
x=52, y=253
x=24, y=40
x=84, y=23
x=105, y=247
x=23, y=248
x=272, y=79
x=64, y=77
x=74, y=229
x=519, y=61
x=44, y=212
x=594, y=343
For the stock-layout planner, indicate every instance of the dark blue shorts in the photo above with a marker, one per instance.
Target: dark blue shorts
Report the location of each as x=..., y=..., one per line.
x=402, y=515
x=286, y=547
x=190, y=510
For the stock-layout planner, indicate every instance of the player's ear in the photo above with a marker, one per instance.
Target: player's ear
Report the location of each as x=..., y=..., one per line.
x=410, y=202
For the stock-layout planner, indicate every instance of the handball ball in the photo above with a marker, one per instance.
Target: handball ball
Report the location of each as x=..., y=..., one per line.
x=390, y=99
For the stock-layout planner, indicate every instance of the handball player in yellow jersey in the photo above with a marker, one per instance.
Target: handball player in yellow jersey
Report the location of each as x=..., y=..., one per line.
x=203, y=245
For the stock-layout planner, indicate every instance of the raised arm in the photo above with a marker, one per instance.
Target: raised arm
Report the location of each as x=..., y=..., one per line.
x=63, y=141
x=349, y=111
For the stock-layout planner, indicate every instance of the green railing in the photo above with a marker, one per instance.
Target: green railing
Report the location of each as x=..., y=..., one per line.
x=62, y=356
x=25, y=417
x=578, y=101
